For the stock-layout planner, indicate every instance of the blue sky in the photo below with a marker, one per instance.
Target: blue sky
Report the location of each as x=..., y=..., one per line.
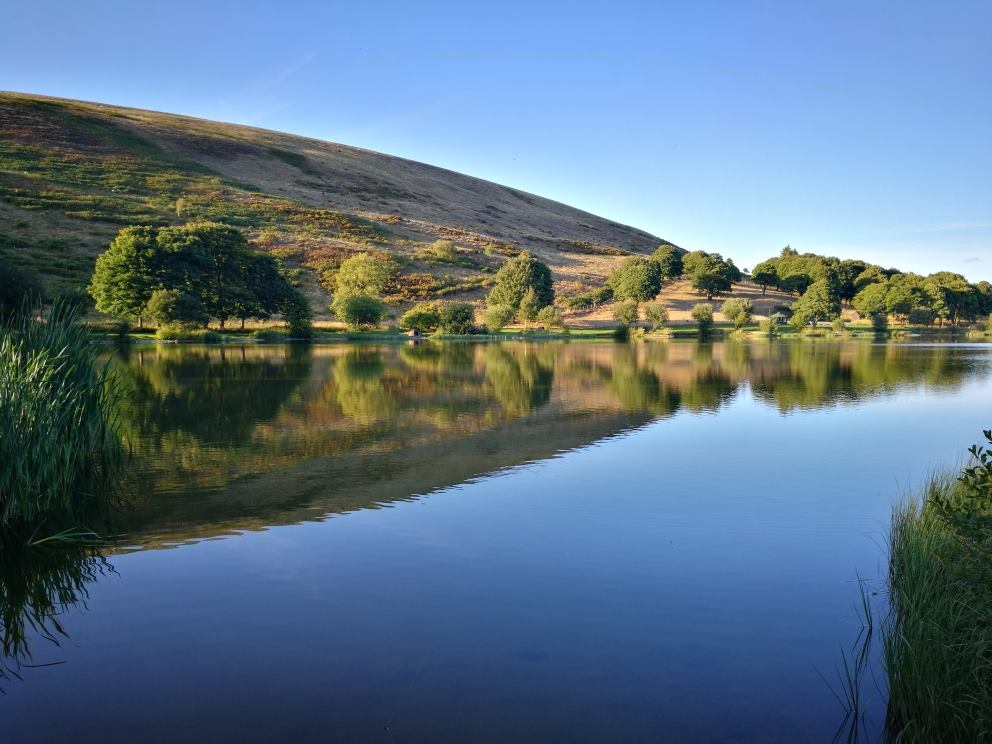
x=848, y=128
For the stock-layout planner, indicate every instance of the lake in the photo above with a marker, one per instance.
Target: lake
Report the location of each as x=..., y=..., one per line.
x=459, y=542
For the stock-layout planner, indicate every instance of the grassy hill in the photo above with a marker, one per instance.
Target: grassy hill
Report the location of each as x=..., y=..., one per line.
x=73, y=173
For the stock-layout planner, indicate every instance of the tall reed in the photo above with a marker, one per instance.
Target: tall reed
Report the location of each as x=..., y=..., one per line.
x=937, y=641
x=59, y=439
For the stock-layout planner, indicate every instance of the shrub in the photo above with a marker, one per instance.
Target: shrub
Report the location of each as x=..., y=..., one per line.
x=178, y=333
x=297, y=314
x=656, y=314
x=19, y=291
x=58, y=432
x=768, y=326
x=738, y=311
x=549, y=318
x=626, y=312
x=529, y=306
x=444, y=250
x=586, y=300
x=497, y=317
x=703, y=315
x=425, y=316
x=268, y=334
x=838, y=325
x=518, y=275
x=879, y=322
x=457, y=318
x=359, y=311
x=637, y=278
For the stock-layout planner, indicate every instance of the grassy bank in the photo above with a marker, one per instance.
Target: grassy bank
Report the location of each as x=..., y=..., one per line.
x=937, y=641
x=58, y=435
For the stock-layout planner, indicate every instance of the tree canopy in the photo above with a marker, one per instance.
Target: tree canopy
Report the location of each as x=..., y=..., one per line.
x=206, y=270
x=669, y=260
x=516, y=276
x=637, y=279
x=818, y=302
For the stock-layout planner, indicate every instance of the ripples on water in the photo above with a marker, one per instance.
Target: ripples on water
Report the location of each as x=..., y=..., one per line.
x=584, y=542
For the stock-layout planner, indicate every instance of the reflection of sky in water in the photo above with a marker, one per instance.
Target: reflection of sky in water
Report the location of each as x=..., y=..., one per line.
x=682, y=580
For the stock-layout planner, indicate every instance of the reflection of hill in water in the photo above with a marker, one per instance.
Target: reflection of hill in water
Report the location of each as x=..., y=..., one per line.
x=242, y=437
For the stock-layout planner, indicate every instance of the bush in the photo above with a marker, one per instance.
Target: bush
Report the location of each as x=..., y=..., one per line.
x=359, y=311
x=297, y=314
x=838, y=325
x=656, y=314
x=626, y=312
x=444, y=250
x=703, y=315
x=457, y=318
x=518, y=275
x=586, y=300
x=268, y=334
x=738, y=311
x=178, y=333
x=768, y=326
x=550, y=318
x=425, y=316
x=497, y=317
x=879, y=322
x=58, y=432
x=637, y=278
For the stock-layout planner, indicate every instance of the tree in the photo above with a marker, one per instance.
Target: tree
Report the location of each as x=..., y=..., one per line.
x=712, y=275
x=19, y=291
x=549, y=317
x=295, y=309
x=127, y=273
x=870, y=275
x=703, y=315
x=497, y=317
x=871, y=299
x=457, y=318
x=177, y=308
x=738, y=311
x=516, y=276
x=817, y=303
x=360, y=311
x=635, y=279
x=425, y=316
x=656, y=314
x=669, y=260
x=626, y=312
x=766, y=274
x=528, y=307
x=364, y=274
x=954, y=298
x=847, y=273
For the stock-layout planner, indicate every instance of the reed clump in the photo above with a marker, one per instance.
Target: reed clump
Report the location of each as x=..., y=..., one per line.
x=937, y=643
x=59, y=433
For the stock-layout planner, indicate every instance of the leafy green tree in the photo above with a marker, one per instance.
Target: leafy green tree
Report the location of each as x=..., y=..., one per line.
x=425, y=316
x=457, y=318
x=360, y=311
x=848, y=271
x=550, y=318
x=626, y=312
x=817, y=303
x=766, y=274
x=296, y=311
x=127, y=273
x=174, y=307
x=738, y=311
x=364, y=274
x=712, y=275
x=497, y=317
x=19, y=291
x=691, y=261
x=871, y=299
x=702, y=313
x=516, y=276
x=636, y=278
x=870, y=275
x=528, y=307
x=669, y=260
x=838, y=325
x=656, y=314
x=954, y=299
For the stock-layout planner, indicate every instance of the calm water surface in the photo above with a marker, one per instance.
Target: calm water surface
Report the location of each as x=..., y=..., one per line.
x=465, y=542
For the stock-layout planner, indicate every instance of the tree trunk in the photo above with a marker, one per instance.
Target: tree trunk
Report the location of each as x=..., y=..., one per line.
x=242, y=324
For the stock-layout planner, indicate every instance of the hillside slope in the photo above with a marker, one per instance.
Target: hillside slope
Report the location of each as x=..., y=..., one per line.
x=73, y=173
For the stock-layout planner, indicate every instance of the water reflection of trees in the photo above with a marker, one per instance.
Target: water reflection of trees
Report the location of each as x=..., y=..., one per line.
x=205, y=417
x=38, y=586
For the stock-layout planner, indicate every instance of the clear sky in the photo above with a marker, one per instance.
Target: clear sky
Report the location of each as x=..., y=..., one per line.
x=848, y=128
